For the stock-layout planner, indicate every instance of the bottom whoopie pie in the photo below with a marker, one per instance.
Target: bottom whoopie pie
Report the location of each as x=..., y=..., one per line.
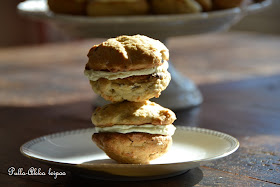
x=133, y=132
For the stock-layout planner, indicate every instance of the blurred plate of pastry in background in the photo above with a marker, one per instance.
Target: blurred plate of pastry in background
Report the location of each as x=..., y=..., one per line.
x=140, y=7
x=159, y=26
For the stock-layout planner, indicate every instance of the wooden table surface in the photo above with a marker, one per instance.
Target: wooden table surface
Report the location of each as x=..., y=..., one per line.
x=43, y=91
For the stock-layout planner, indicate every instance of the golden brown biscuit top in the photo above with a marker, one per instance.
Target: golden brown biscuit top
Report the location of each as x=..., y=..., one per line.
x=132, y=113
x=127, y=53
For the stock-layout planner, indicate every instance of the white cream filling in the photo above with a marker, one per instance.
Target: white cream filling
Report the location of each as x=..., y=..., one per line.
x=95, y=75
x=168, y=130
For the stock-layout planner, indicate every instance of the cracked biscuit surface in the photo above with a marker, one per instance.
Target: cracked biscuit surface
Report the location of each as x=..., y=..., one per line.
x=132, y=113
x=134, y=88
x=132, y=148
x=127, y=53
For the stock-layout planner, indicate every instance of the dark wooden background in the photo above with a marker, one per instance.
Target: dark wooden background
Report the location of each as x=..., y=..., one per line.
x=43, y=91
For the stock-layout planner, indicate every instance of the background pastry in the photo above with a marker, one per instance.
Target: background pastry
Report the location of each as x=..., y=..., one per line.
x=132, y=68
x=175, y=6
x=117, y=7
x=97, y=8
x=205, y=4
x=76, y=7
x=133, y=132
x=222, y=4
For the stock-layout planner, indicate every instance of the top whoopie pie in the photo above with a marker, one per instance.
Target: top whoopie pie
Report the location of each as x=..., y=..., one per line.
x=132, y=68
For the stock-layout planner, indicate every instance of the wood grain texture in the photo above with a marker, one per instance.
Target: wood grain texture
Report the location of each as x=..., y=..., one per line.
x=43, y=91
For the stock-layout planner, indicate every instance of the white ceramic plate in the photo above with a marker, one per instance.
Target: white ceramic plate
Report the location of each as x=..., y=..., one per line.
x=155, y=26
x=75, y=151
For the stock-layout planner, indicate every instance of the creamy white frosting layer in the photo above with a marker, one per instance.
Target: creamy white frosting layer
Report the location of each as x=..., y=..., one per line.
x=168, y=130
x=95, y=75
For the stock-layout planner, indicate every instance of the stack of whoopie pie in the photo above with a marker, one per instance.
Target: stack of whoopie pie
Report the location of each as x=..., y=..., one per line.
x=128, y=71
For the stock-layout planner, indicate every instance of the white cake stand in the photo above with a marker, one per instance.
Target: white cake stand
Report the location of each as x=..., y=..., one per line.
x=181, y=92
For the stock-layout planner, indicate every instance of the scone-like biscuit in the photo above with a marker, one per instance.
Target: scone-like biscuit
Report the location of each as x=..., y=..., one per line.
x=132, y=113
x=135, y=88
x=175, y=6
x=127, y=53
x=133, y=148
x=132, y=68
x=75, y=7
x=117, y=7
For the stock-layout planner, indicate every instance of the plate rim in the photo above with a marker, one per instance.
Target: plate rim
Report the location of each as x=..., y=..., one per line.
x=234, y=146
x=49, y=15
